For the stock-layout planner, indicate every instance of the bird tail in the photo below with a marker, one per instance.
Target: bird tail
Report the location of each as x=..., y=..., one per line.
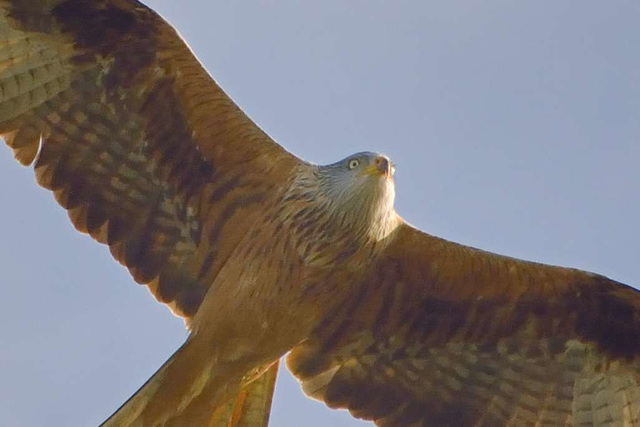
x=252, y=405
x=189, y=390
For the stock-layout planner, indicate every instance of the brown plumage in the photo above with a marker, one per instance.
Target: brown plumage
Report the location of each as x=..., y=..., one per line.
x=150, y=157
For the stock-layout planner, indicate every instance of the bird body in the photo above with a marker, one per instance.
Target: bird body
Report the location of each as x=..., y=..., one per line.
x=277, y=277
x=264, y=254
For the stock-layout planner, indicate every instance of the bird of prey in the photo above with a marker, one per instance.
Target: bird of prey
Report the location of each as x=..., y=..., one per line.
x=264, y=254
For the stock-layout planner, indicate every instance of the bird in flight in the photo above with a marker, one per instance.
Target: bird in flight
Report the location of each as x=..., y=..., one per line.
x=264, y=254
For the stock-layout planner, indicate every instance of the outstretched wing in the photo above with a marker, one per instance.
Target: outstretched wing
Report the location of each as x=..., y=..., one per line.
x=443, y=334
x=134, y=138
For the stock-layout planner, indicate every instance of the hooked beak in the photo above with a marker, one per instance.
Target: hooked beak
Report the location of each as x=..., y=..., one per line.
x=381, y=166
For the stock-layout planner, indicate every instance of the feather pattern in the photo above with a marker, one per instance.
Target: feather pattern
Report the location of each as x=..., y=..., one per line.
x=264, y=254
x=453, y=335
x=134, y=138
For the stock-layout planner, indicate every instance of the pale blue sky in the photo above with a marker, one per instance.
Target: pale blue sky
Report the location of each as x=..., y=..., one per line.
x=515, y=127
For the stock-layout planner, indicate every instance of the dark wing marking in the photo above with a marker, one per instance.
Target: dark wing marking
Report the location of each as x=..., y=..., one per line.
x=134, y=138
x=443, y=334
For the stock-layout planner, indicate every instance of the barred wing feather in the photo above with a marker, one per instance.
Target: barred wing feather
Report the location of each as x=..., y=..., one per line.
x=443, y=334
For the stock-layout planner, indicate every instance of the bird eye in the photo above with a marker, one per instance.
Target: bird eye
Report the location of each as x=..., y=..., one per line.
x=353, y=163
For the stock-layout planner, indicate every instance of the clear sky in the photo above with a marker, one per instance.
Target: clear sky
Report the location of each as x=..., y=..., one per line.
x=515, y=127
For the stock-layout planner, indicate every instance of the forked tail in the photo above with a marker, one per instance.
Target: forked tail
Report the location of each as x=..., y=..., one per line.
x=188, y=390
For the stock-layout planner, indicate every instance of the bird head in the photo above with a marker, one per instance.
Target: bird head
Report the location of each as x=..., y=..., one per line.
x=370, y=166
x=362, y=187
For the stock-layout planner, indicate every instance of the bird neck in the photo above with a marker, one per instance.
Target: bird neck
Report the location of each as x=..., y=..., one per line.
x=360, y=214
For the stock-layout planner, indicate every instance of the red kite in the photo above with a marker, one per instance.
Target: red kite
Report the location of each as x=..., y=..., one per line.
x=264, y=254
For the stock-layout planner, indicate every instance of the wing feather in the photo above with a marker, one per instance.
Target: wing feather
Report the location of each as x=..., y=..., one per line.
x=443, y=334
x=134, y=138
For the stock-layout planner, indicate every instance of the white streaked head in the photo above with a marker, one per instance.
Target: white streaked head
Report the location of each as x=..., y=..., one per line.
x=362, y=187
